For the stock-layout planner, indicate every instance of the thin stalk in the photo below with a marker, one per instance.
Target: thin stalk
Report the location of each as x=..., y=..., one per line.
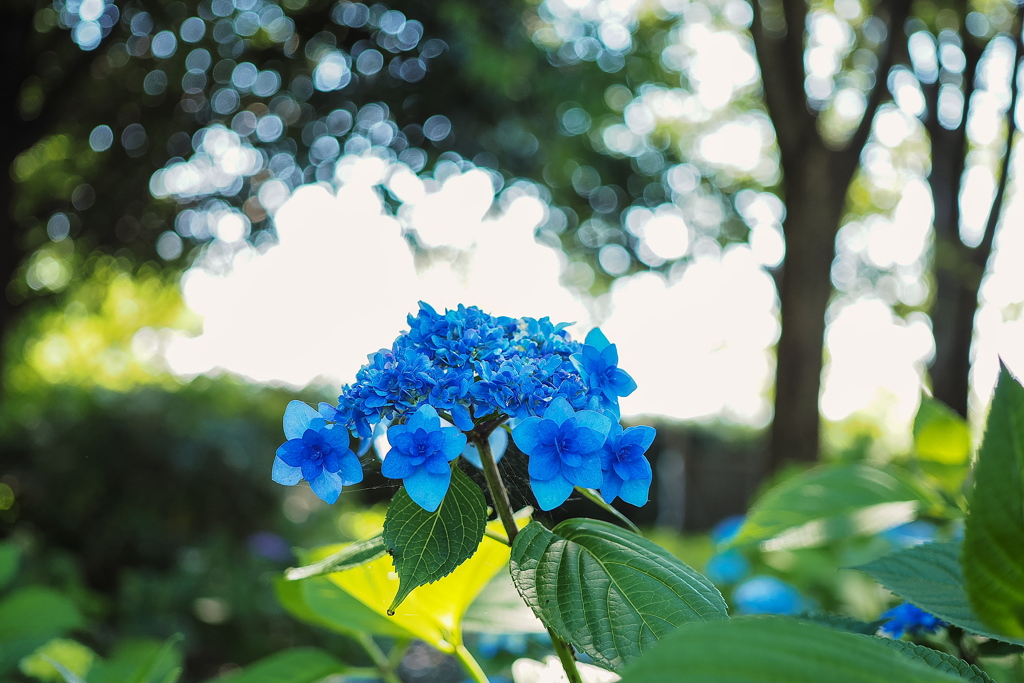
x=566, y=657
x=499, y=494
x=380, y=660
x=469, y=664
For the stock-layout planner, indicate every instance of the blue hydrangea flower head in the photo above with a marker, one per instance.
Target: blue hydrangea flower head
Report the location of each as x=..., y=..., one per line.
x=908, y=618
x=316, y=452
x=565, y=451
x=420, y=452
x=627, y=474
x=598, y=363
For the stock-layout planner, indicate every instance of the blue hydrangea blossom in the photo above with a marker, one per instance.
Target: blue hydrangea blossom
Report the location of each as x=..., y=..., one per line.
x=908, y=618
x=478, y=372
x=627, y=474
x=420, y=452
x=317, y=452
x=565, y=451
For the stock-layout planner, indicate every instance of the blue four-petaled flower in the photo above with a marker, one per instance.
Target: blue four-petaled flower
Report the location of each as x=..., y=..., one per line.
x=627, y=474
x=598, y=363
x=316, y=452
x=565, y=451
x=420, y=452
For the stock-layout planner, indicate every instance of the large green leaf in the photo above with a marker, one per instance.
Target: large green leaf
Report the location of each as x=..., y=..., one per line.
x=298, y=665
x=352, y=555
x=774, y=650
x=993, y=558
x=427, y=546
x=609, y=592
x=832, y=501
x=841, y=622
x=37, y=612
x=929, y=576
x=941, y=661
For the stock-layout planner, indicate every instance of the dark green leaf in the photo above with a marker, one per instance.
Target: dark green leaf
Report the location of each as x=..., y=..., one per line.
x=841, y=622
x=298, y=665
x=995, y=648
x=929, y=576
x=774, y=650
x=994, y=537
x=829, y=502
x=941, y=661
x=609, y=592
x=318, y=601
x=36, y=612
x=425, y=545
x=140, y=661
x=8, y=562
x=352, y=555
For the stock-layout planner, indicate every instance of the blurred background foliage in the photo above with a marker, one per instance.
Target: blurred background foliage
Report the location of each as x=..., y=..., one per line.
x=139, y=133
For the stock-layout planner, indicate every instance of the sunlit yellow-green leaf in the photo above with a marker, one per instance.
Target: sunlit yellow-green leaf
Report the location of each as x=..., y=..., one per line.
x=432, y=613
x=940, y=435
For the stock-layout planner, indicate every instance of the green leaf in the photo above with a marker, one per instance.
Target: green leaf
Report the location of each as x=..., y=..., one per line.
x=298, y=665
x=595, y=498
x=774, y=650
x=940, y=435
x=140, y=661
x=352, y=555
x=929, y=576
x=609, y=592
x=8, y=562
x=37, y=612
x=840, y=622
x=427, y=546
x=830, y=502
x=320, y=602
x=942, y=661
x=59, y=660
x=993, y=558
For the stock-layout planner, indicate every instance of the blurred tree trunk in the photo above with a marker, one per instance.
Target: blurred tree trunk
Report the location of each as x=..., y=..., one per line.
x=959, y=268
x=816, y=178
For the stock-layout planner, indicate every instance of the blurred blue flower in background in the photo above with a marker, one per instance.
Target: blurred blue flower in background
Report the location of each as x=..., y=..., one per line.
x=727, y=568
x=767, y=595
x=726, y=530
x=910, y=619
x=911, y=533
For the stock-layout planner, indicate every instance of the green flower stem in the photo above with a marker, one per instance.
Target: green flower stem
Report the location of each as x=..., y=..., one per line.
x=469, y=664
x=383, y=665
x=566, y=657
x=499, y=494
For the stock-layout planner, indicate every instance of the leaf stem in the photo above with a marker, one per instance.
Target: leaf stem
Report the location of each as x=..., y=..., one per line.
x=499, y=494
x=470, y=664
x=566, y=657
x=380, y=660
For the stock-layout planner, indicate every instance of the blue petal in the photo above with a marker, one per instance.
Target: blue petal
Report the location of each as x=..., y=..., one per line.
x=635, y=491
x=597, y=339
x=641, y=435
x=499, y=442
x=544, y=466
x=297, y=417
x=427, y=489
x=292, y=452
x=425, y=418
x=634, y=468
x=595, y=421
x=588, y=474
x=610, y=487
x=364, y=447
x=461, y=417
x=472, y=455
x=284, y=473
x=351, y=471
x=396, y=465
x=610, y=355
x=311, y=470
x=559, y=411
x=328, y=412
x=337, y=436
x=528, y=435
x=454, y=442
x=623, y=383
x=551, y=493
x=327, y=486
x=436, y=465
